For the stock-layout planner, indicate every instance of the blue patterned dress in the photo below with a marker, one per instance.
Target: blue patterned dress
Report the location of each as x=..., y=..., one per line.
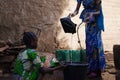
x=94, y=45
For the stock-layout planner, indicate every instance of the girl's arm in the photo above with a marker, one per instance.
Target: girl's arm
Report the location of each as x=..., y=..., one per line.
x=76, y=10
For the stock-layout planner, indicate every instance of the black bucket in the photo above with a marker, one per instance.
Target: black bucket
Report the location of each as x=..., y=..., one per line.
x=116, y=53
x=75, y=71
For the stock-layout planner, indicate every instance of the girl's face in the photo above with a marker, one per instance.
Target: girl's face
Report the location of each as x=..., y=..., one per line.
x=34, y=43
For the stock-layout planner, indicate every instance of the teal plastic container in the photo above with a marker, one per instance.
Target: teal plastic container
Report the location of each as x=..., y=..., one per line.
x=76, y=62
x=71, y=56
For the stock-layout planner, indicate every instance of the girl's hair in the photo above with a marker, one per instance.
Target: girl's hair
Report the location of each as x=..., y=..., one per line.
x=28, y=37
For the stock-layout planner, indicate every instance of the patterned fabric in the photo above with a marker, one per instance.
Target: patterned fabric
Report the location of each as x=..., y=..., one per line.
x=90, y=6
x=79, y=1
x=94, y=45
x=27, y=65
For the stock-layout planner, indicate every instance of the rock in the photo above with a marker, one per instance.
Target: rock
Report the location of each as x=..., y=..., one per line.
x=112, y=71
x=17, y=16
x=109, y=65
x=109, y=56
x=57, y=75
x=2, y=43
x=108, y=76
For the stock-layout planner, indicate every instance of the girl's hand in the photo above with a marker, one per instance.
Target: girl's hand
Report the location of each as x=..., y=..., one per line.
x=73, y=14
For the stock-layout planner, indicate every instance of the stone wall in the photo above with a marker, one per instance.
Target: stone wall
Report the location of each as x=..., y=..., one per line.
x=17, y=16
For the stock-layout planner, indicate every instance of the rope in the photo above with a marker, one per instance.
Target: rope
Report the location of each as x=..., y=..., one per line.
x=78, y=35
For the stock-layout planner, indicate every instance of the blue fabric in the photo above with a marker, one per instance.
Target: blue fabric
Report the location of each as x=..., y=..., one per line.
x=90, y=8
x=100, y=20
x=79, y=1
x=94, y=42
x=93, y=36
